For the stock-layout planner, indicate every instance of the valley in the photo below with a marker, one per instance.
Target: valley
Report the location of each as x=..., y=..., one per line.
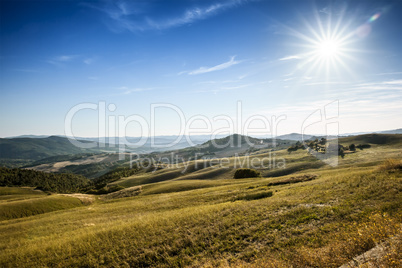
x=301, y=213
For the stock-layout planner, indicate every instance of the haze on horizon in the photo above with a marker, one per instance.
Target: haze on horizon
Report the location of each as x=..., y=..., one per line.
x=212, y=59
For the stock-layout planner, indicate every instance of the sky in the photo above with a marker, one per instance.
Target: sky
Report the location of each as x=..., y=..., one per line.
x=137, y=68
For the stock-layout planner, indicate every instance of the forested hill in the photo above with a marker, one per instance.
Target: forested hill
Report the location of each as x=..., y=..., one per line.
x=58, y=183
x=39, y=148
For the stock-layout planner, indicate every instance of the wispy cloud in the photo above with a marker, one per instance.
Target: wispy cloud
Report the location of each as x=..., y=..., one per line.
x=88, y=61
x=127, y=90
x=324, y=82
x=325, y=10
x=62, y=60
x=59, y=60
x=292, y=57
x=136, y=16
x=289, y=74
x=227, y=88
x=392, y=73
x=393, y=82
x=218, y=67
x=288, y=79
x=65, y=58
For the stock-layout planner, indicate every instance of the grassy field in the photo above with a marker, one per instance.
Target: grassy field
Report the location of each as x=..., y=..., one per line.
x=24, y=202
x=205, y=218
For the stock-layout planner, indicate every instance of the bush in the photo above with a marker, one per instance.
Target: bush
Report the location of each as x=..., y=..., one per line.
x=246, y=173
x=363, y=146
x=352, y=147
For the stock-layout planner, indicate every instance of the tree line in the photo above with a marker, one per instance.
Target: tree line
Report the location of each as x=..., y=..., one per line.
x=49, y=182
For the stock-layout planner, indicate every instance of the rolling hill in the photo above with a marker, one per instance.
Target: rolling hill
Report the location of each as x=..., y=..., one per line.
x=301, y=214
x=39, y=148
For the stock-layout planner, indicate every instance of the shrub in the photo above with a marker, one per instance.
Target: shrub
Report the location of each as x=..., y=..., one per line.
x=352, y=147
x=363, y=146
x=246, y=173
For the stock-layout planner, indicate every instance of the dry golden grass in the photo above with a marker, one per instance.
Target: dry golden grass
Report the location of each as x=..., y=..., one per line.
x=391, y=165
x=324, y=222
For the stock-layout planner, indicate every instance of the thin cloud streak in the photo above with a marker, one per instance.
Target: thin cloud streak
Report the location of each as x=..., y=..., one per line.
x=60, y=60
x=394, y=82
x=65, y=58
x=132, y=16
x=293, y=57
x=128, y=91
x=218, y=67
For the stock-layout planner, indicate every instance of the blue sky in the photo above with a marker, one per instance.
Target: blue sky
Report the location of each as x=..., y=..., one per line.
x=203, y=57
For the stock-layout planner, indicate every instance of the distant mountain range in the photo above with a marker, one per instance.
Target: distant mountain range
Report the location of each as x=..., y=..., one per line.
x=38, y=147
x=394, y=131
x=199, y=139
x=299, y=137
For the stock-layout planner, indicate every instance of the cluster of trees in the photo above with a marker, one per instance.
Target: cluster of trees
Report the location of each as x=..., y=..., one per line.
x=321, y=146
x=296, y=147
x=58, y=183
x=65, y=182
x=246, y=173
x=318, y=145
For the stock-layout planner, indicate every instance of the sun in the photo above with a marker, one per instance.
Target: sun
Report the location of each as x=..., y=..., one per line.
x=327, y=53
x=328, y=49
x=326, y=46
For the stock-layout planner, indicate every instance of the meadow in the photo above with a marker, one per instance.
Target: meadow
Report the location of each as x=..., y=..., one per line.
x=205, y=218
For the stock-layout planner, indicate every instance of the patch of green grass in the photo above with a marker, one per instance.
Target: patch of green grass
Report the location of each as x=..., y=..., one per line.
x=8, y=194
x=13, y=209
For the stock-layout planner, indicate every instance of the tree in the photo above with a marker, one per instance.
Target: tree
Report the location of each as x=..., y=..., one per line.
x=352, y=147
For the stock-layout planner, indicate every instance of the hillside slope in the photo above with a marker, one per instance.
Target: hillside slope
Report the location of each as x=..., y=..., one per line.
x=39, y=148
x=289, y=221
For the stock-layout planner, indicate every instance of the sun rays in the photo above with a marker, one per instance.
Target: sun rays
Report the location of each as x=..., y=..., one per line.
x=326, y=46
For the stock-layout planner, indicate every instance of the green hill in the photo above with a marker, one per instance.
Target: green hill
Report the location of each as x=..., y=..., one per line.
x=384, y=139
x=18, y=202
x=38, y=148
